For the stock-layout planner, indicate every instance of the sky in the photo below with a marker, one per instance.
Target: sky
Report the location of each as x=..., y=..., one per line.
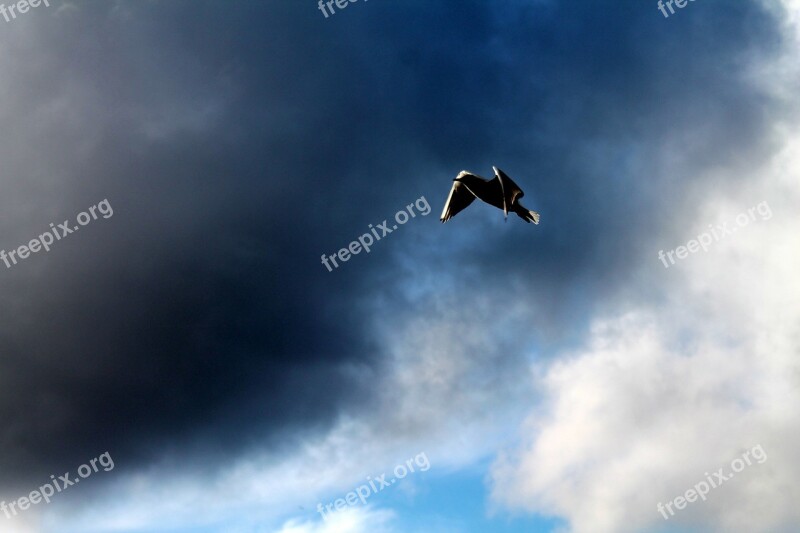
x=175, y=175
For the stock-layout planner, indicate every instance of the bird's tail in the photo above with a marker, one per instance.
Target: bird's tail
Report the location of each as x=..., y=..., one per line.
x=525, y=214
x=529, y=216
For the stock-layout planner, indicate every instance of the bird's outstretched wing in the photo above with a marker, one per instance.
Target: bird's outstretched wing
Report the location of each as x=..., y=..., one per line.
x=460, y=197
x=509, y=190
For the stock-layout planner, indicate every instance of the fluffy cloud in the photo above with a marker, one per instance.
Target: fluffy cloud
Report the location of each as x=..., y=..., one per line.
x=672, y=390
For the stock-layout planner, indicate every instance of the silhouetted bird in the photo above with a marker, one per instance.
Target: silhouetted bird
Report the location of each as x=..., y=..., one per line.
x=500, y=192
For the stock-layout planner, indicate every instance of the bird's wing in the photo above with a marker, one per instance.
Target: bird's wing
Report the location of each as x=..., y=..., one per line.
x=510, y=190
x=460, y=197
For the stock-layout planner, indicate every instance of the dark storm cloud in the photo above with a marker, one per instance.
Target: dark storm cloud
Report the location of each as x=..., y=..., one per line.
x=238, y=141
x=587, y=106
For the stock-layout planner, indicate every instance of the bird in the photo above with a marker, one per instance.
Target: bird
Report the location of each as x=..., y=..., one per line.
x=501, y=192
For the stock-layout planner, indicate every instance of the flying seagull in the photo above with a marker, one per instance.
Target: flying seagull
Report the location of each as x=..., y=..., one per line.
x=500, y=192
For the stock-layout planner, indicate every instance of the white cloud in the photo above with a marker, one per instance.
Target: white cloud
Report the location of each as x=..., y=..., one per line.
x=353, y=520
x=670, y=391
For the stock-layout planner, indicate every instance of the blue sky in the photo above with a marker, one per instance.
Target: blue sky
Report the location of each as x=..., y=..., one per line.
x=560, y=377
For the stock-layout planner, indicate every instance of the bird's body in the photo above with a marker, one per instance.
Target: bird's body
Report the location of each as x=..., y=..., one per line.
x=501, y=192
